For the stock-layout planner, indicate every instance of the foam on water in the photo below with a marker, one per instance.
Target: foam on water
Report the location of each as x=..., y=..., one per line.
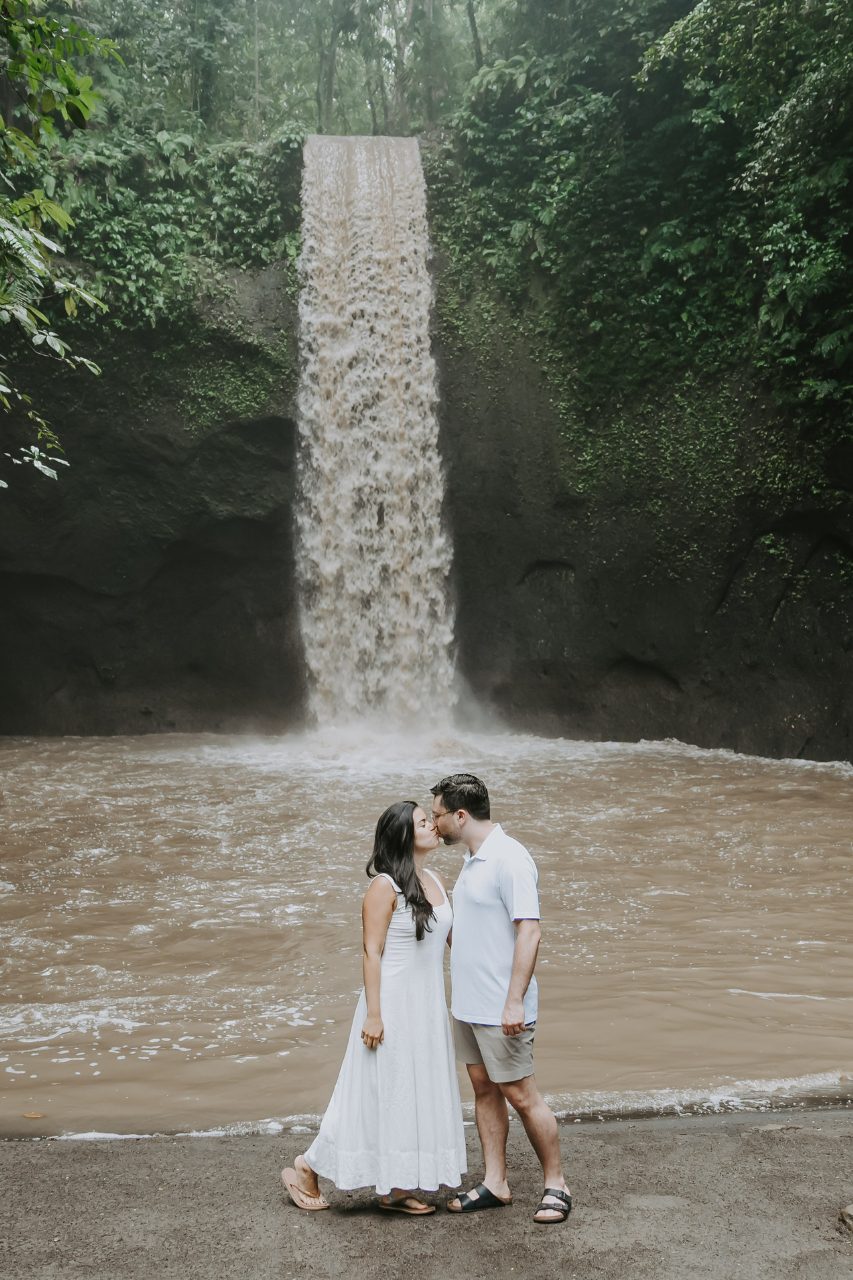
x=822, y=1089
x=773, y=995
x=364, y=750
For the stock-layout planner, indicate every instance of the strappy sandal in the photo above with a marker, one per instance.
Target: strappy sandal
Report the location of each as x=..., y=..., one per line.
x=302, y=1200
x=563, y=1209
x=484, y=1199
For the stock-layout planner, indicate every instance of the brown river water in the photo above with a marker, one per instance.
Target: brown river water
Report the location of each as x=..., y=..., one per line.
x=180, y=922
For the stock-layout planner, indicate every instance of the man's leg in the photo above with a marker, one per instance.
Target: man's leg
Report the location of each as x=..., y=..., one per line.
x=541, y=1128
x=493, y=1127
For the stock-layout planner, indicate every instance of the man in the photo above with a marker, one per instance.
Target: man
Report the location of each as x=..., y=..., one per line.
x=494, y=1002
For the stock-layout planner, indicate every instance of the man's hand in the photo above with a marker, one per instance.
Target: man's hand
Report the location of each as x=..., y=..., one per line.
x=512, y=1018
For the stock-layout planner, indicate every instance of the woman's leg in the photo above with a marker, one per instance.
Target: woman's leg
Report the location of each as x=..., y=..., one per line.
x=308, y=1181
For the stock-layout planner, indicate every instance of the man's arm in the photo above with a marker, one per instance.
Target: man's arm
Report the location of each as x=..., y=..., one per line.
x=527, y=936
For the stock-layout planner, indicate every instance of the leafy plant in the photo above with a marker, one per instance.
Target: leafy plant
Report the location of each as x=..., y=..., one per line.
x=151, y=212
x=46, y=92
x=664, y=186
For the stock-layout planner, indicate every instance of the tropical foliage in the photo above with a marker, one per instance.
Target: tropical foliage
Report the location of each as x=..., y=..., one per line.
x=651, y=185
x=43, y=94
x=676, y=182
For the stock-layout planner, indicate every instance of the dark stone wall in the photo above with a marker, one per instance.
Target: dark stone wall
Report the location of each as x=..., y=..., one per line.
x=165, y=601
x=573, y=619
x=152, y=587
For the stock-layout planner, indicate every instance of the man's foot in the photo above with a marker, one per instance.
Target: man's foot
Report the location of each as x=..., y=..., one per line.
x=555, y=1205
x=481, y=1197
x=302, y=1186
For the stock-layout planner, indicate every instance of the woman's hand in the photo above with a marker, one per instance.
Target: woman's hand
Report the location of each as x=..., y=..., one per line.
x=373, y=1032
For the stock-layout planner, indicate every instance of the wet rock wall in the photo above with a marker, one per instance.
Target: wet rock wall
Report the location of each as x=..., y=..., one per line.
x=152, y=588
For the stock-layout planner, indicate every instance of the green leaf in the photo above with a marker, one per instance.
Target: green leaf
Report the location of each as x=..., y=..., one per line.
x=74, y=110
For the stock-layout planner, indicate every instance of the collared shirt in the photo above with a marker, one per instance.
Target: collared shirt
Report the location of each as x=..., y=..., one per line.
x=496, y=886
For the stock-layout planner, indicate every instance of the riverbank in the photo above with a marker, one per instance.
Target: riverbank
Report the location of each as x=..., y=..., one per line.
x=719, y=1197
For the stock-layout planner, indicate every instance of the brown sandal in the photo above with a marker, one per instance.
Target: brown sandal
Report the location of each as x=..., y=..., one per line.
x=405, y=1204
x=302, y=1200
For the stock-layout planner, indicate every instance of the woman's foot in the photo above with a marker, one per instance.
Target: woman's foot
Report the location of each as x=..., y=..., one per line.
x=400, y=1201
x=302, y=1186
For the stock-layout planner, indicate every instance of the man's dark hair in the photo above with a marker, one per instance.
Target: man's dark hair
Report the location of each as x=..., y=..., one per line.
x=463, y=791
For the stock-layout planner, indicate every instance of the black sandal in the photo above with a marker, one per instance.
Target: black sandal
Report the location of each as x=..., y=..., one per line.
x=563, y=1209
x=484, y=1199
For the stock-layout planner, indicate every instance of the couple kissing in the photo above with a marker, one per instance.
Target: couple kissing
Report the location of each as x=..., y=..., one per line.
x=395, y=1118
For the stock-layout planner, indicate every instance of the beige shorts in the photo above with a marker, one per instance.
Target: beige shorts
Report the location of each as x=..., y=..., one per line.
x=505, y=1058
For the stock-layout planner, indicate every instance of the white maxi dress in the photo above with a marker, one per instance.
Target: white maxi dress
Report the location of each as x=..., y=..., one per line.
x=395, y=1118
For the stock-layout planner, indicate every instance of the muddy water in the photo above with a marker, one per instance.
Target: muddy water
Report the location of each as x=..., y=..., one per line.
x=179, y=920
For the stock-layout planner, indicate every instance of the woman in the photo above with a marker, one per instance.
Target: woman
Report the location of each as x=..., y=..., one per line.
x=395, y=1118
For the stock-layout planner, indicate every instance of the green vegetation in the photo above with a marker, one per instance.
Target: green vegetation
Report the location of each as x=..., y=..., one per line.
x=660, y=195
x=41, y=89
x=155, y=214
x=687, y=205
x=654, y=195
x=152, y=206
x=215, y=384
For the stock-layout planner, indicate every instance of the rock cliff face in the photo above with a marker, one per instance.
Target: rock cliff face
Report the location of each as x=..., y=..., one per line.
x=579, y=613
x=152, y=588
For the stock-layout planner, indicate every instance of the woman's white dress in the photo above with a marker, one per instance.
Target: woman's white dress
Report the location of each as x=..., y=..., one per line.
x=395, y=1118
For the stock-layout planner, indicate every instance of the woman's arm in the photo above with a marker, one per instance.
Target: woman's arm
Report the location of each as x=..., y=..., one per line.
x=376, y=912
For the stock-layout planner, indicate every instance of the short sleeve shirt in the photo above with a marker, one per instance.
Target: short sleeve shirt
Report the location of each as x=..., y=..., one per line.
x=497, y=886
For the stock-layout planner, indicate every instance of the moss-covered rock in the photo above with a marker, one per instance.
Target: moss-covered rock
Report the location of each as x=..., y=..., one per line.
x=153, y=587
x=677, y=566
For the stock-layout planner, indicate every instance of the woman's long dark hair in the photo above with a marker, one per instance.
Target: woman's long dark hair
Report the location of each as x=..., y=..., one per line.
x=394, y=853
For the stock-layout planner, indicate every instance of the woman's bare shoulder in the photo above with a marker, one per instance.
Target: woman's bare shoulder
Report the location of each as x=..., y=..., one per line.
x=380, y=891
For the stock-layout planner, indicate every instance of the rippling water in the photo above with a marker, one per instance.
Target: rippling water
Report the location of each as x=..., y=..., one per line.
x=180, y=921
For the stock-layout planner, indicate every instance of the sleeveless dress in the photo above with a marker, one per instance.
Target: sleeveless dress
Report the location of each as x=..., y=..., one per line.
x=395, y=1118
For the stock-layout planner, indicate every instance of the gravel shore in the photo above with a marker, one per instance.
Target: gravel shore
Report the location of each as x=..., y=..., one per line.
x=734, y=1197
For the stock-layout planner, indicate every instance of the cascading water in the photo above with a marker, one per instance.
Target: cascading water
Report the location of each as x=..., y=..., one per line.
x=373, y=559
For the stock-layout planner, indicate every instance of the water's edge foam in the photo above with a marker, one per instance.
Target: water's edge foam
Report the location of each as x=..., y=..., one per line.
x=819, y=1093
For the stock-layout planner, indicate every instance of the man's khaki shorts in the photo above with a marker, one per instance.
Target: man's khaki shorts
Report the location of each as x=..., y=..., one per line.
x=505, y=1058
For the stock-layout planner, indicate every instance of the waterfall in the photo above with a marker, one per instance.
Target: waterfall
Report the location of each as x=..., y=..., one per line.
x=373, y=561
